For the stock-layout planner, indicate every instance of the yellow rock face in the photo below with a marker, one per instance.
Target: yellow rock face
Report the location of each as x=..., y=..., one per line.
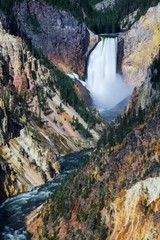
x=31, y=164
x=20, y=62
x=141, y=45
x=133, y=212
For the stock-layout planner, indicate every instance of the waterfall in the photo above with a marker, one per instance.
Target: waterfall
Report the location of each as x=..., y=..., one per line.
x=106, y=87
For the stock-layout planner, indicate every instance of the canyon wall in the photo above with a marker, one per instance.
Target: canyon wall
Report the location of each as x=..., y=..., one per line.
x=57, y=34
x=26, y=162
x=141, y=46
x=36, y=126
x=117, y=195
x=135, y=212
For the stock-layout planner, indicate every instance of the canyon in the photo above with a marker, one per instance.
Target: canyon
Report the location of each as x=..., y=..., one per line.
x=45, y=113
x=33, y=136
x=117, y=194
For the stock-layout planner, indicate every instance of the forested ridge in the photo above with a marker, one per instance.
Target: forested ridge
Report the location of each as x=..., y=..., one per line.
x=106, y=21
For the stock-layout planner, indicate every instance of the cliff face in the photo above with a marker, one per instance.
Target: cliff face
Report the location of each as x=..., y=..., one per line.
x=3, y=125
x=25, y=163
x=112, y=201
x=135, y=212
x=18, y=66
x=57, y=33
x=117, y=195
x=36, y=126
x=8, y=183
x=141, y=46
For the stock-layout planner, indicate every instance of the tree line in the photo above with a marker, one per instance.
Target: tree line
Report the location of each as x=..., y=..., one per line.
x=106, y=21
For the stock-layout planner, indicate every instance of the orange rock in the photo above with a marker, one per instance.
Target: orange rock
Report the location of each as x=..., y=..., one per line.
x=21, y=82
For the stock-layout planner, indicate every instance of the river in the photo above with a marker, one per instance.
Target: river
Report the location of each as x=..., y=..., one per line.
x=14, y=210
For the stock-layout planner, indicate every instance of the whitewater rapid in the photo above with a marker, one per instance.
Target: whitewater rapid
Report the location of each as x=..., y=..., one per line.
x=15, y=209
x=106, y=87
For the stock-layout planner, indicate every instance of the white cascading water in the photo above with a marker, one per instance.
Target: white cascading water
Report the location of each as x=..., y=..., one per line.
x=106, y=87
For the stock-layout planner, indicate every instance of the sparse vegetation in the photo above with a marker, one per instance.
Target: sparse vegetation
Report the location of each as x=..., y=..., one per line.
x=15, y=104
x=108, y=172
x=122, y=152
x=79, y=127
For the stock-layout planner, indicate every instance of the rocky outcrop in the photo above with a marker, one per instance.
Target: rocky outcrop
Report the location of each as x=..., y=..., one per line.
x=118, y=191
x=56, y=33
x=83, y=93
x=32, y=136
x=131, y=206
x=141, y=99
x=112, y=198
x=135, y=212
x=8, y=182
x=3, y=124
x=149, y=92
x=104, y=4
x=116, y=196
x=26, y=163
x=129, y=20
x=4, y=20
x=18, y=64
x=141, y=46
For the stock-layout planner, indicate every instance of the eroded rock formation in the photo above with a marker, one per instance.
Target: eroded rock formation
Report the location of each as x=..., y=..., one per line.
x=18, y=65
x=135, y=212
x=26, y=162
x=57, y=33
x=141, y=46
x=117, y=195
x=27, y=88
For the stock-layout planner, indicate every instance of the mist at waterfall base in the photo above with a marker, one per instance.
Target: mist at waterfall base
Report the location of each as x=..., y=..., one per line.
x=106, y=87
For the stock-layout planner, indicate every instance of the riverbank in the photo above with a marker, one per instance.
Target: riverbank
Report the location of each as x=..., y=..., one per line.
x=14, y=210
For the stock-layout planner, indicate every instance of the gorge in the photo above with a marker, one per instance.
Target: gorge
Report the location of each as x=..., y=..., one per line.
x=18, y=207
x=48, y=188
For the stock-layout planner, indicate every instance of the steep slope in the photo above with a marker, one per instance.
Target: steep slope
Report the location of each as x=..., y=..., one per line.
x=111, y=201
x=55, y=32
x=38, y=121
x=117, y=194
x=41, y=117
x=141, y=46
x=26, y=163
x=135, y=212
